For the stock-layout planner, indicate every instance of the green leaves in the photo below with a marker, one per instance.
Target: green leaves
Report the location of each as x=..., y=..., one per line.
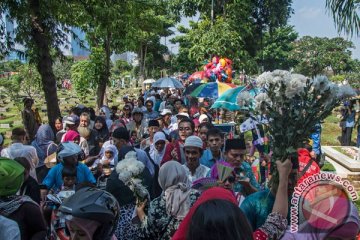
x=314, y=54
x=346, y=15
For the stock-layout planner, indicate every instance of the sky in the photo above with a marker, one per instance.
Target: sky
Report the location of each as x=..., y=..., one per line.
x=310, y=18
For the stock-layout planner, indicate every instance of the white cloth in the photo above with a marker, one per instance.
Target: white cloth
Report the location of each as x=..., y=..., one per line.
x=155, y=155
x=84, y=146
x=20, y=150
x=200, y=172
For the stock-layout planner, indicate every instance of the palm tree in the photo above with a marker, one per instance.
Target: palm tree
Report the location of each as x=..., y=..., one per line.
x=346, y=15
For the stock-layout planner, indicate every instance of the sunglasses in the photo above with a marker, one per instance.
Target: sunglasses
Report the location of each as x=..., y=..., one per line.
x=230, y=179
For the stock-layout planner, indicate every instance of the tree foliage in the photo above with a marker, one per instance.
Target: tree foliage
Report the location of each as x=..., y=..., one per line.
x=147, y=23
x=238, y=29
x=277, y=49
x=346, y=15
x=42, y=28
x=313, y=54
x=26, y=82
x=62, y=69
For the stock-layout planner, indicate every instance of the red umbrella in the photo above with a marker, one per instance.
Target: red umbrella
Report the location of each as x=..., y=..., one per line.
x=197, y=75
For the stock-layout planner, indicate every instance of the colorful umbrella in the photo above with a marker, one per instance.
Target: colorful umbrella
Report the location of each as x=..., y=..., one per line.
x=212, y=89
x=228, y=99
x=189, y=89
x=167, y=83
x=197, y=75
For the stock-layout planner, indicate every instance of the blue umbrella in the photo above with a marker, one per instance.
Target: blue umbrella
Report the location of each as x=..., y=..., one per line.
x=228, y=99
x=167, y=82
x=185, y=76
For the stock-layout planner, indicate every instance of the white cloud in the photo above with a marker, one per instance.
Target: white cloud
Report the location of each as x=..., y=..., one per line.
x=309, y=13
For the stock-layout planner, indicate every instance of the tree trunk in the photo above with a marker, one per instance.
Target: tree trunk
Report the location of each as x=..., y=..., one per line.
x=44, y=61
x=143, y=49
x=104, y=78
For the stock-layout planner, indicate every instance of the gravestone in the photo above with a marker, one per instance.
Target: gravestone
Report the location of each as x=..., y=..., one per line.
x=5, y=125
x=17, y=123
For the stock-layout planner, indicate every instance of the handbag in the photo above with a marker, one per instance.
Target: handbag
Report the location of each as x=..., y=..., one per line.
x=50, y=161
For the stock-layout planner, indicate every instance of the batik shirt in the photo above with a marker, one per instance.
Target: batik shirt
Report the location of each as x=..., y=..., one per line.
x=160, y=225
x=246, y=171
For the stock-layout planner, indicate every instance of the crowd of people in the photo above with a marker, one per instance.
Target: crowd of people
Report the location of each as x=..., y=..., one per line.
x=158, y=168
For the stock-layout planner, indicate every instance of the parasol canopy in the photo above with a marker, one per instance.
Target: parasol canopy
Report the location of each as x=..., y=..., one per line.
x=228, y=100
x=167, y=82
x=212, y=89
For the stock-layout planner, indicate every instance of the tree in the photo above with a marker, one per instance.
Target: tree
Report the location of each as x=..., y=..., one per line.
x=83, y=77
x=62, y=69
x=148, y=22
x=10, y=66
x=26, y=82
x=121, y=66
x=104, y=23
x=41, y=28
x=277, y=49
x=87, y=74
x=346, y=15
x=313, y=55
x=246, y=19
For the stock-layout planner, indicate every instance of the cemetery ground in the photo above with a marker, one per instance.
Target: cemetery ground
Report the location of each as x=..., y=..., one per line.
x=10, y=117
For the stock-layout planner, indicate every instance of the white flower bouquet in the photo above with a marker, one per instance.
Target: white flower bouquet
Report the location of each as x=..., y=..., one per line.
x=295, y=104
x=129, y=170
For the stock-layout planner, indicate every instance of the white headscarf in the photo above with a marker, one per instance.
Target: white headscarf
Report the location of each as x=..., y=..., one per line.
x=113, y=149
x=155, y=154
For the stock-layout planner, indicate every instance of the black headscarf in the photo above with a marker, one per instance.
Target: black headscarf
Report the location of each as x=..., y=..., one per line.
x=103, y=133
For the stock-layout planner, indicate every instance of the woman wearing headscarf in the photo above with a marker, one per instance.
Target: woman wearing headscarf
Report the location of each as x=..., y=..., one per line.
x=74, y=136
x=166, y=212
x=106, y=113
x=213, y=218
x=124, y=195
x=101, y=128
x=45, y=146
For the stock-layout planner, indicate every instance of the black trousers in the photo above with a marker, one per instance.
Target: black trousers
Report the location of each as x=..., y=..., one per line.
x=346, y=136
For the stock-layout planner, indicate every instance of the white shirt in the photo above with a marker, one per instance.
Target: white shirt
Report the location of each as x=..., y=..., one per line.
x=200, y=172
x=20, y=150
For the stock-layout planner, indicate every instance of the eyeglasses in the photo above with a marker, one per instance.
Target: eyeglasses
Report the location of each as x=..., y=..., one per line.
x=184, y=129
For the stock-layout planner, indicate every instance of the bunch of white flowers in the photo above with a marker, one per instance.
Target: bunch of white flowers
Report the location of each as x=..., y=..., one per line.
x=129, y=170
x=244, y=99
x=295, y=104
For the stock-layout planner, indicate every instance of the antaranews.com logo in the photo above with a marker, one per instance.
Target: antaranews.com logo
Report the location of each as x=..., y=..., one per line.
x=322, y=202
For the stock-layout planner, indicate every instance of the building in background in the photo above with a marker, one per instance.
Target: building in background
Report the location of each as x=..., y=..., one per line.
x=17, y=53
x=79, y=46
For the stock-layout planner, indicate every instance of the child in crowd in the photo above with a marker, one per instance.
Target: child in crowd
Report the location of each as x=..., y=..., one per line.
x=69, y=178
x=133, y=137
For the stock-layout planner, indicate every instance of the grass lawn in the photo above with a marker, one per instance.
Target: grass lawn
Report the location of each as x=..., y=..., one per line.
x=328, y=167
x=331, y=131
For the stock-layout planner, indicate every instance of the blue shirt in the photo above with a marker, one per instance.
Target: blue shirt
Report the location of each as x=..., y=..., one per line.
x=208, y=160
x=53, y=179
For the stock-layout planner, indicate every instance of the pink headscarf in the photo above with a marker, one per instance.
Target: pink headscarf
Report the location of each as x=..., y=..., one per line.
x=70, y=136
